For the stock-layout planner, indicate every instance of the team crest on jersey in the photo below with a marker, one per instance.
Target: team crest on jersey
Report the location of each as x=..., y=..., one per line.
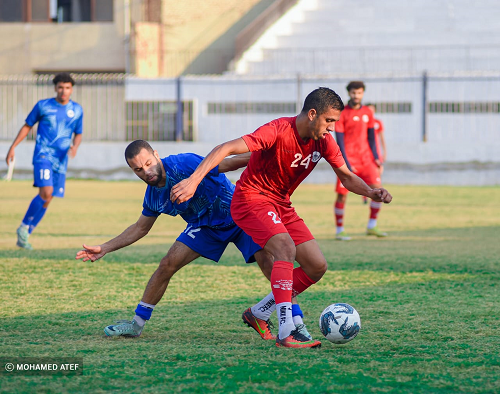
x=356, y=118
x=365, y=118
x=316, y=156
x=70, y=113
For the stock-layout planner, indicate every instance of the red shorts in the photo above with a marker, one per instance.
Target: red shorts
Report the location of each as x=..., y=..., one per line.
x=367, y=171
x=264, y=218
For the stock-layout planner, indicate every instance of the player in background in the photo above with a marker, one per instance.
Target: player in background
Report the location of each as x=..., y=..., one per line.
x=284, y=152
x=379, y=142
x=355, y=133
x=59, y=121
x=209, y=229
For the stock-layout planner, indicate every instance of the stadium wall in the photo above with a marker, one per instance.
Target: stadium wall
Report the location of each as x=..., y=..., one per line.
x=456, y=142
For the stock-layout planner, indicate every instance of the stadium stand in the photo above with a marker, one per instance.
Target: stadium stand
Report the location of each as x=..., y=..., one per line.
x=331, y=37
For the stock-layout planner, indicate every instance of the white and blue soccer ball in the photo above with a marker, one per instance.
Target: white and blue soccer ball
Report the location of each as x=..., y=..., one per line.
x=340, y=323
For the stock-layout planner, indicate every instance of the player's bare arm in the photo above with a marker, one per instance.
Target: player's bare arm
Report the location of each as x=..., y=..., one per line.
x=20, y=136
x=234, y=163
x=356, y=185
x=76, y=143
x=132, y=234
x=185, y=189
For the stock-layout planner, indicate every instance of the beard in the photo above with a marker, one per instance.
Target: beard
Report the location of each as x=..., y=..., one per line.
x=156, y=171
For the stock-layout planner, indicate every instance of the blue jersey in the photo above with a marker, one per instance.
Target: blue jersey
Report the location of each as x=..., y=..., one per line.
x=56, y=126
x=210, y=205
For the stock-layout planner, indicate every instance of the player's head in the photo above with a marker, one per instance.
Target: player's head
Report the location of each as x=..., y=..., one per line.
x=63, y=85
x=145, y=162
x=322, y=107
x=356, y=90
x=321, y=100
x=372, y=107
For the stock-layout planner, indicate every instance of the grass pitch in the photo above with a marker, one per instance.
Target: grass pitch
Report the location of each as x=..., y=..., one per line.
x=428, y=297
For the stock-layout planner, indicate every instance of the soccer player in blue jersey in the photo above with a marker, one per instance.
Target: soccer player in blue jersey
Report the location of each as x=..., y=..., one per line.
x=209, y=229
x=58, y=120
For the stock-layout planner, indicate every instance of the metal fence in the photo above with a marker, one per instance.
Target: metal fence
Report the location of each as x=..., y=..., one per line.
x=444, y=111
x=101, y=96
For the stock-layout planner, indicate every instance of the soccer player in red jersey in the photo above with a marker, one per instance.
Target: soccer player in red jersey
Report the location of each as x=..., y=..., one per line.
x=355, y=132
x=284, y=152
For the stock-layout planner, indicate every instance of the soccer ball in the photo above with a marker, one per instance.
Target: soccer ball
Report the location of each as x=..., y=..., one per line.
x=339, y=323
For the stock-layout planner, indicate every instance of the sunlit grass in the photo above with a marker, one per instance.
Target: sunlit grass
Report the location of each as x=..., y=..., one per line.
x=428, y=297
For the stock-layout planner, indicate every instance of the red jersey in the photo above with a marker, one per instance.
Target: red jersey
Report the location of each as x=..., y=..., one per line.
x=282, y=160
x=354, y=123
x=379, y=128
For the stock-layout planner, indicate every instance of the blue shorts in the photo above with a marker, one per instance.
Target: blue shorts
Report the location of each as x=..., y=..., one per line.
x=211, y=243
x=44, y=176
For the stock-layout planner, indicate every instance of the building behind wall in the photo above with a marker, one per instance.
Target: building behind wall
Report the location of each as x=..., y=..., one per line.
x=149, y=38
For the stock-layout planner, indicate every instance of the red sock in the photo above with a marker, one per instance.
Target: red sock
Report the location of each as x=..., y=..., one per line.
x=374, y=209
x=339, y=213
x=300, y=281
x=281, y=281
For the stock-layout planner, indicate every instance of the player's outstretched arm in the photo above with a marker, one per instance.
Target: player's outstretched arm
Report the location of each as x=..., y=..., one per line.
x=234, y=163
x=186, y=188
x=356, y=185
x=132, y=234
x=20, y=136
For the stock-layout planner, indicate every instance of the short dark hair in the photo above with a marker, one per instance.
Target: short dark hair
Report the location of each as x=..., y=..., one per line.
x=321, y=100
x=135, y=147
x=63, y=77
x=355, y=85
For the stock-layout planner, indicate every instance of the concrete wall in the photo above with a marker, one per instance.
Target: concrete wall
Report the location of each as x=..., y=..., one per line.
x=105, y=160
x=91, y=46
x=198, y=36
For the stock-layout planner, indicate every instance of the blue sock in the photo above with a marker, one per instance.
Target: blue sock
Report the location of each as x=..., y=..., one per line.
x=297, y=314
x=37, y=218
x=35, y=206
x=296, y=311
x=143, y=313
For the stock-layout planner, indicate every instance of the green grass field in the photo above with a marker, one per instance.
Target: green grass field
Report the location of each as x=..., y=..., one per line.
x=428, y=297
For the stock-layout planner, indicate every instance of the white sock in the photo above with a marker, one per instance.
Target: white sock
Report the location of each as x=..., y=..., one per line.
x=372, y=223
x=150, y=306
x=285, y=319
x=297, y=320
x=264, y=308
x=139, y=320
x=340, y=229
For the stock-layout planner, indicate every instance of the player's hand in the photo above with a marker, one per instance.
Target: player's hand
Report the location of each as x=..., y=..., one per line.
x=381, y=195
x=10, y=156
x=72, y=152
x=183, y=191
x=91, y=253
x=378, y=162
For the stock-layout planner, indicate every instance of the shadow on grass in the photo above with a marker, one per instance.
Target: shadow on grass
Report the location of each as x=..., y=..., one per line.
x=201, y=345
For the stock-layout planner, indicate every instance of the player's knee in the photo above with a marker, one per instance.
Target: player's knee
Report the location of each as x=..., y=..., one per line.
x=281, y=247
x=286, y=251
x=167, y=268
